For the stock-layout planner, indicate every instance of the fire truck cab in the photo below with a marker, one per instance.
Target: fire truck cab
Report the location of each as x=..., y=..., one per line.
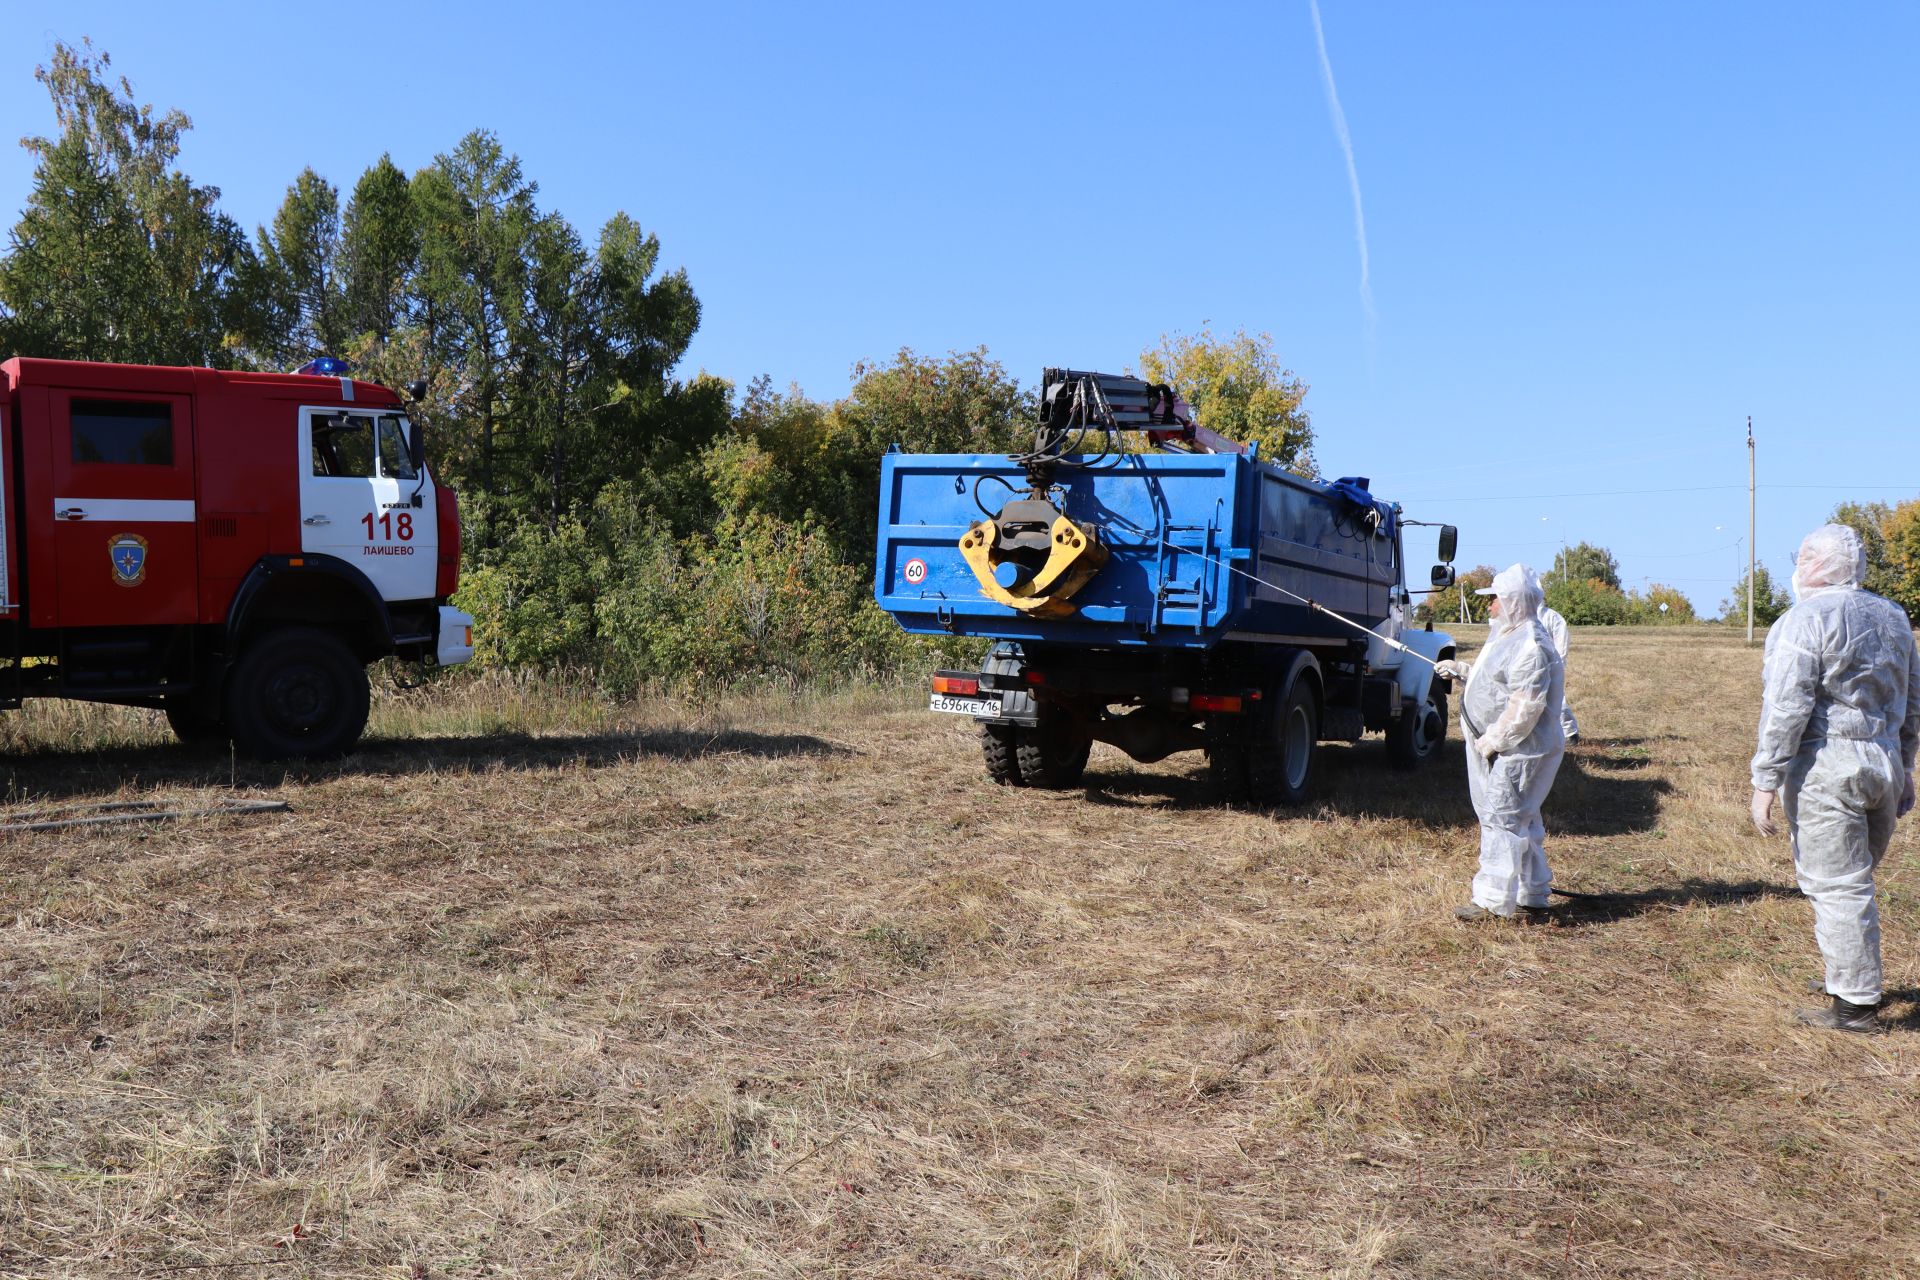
x=232, y=548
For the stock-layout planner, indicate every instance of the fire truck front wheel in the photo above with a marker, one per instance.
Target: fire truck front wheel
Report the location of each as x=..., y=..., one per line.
x=297, y=693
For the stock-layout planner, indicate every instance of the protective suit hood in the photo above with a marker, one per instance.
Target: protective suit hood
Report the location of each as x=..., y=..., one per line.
x=1831, y=556
x=1517, y=589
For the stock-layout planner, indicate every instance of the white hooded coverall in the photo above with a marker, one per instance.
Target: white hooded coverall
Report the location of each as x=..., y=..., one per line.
x=1511, y=710
x=1557, y=631
x=1838, y=731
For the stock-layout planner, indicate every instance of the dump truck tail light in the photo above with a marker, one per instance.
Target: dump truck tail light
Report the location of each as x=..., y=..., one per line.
x=1228, y=702
x=965, y=686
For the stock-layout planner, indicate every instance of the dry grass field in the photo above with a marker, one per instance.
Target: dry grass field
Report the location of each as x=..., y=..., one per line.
x=540, y=987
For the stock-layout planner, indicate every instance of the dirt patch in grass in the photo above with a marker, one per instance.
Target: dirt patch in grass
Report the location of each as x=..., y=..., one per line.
x=536, y=985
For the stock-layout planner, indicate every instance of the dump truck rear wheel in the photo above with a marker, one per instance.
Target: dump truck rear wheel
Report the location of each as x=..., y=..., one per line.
x=1417, y=736
x=1003, y=759
x=1280, y=768
x=1053, y=754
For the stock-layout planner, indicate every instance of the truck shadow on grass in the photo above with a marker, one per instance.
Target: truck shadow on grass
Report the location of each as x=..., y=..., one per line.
x=43, y=775
x=1595, y=793
x=1589, y=798
x=1596, y=906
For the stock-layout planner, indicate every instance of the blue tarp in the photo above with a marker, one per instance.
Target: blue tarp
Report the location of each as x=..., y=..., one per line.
x=1354, y=490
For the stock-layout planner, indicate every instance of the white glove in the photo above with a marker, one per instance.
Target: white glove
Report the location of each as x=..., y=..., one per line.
x=1761, y=811
x=1453, y=669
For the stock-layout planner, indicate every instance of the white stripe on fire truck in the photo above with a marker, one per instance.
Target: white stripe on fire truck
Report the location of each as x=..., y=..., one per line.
x=157, y=510
x=346, y=390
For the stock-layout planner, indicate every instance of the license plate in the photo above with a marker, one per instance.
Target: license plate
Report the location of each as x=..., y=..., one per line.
x=964, y=706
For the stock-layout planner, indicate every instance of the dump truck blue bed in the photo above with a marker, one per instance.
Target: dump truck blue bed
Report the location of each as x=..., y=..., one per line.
x=1178, y=526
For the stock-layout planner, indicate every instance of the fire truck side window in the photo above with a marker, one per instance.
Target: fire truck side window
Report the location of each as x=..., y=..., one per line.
x=122, y=433
x=343, y=446
x=396, y=460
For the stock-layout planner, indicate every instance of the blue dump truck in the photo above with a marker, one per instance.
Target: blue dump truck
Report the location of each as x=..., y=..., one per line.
x=1151, y=585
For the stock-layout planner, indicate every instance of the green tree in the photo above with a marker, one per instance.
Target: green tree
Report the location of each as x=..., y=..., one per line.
x=1582, y=561
x=118, y=255
x=644, y=424
x=477, y=214
x=822, y=463
x=1871, y=522
x=1646, y=609
x=1898, y=578
x=304, y=304
x=1769, y=601
x=1238, y=388
x=1444, y=606
x=380, y=246
x=1587, y=602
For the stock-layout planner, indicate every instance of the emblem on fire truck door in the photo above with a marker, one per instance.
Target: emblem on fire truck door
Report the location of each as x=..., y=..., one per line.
x=128, y=552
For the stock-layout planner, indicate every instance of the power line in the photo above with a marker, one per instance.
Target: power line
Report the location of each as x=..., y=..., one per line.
x=1623, y=493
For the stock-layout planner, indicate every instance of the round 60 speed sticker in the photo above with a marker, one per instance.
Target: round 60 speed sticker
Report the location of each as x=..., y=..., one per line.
x=914, y=571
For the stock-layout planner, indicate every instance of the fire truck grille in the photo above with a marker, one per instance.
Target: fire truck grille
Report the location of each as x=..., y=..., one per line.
x=222, y=527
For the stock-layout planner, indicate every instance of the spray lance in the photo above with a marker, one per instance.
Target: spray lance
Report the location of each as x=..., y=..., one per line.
x=1314, y=605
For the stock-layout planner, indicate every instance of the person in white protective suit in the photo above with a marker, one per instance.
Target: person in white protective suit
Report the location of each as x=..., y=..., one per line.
x=1557, y=631
x=1510, y=710
x=1839, y=726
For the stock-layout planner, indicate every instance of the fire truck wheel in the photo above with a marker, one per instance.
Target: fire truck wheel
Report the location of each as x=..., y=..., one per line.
x=297, y=693
x=194, y=729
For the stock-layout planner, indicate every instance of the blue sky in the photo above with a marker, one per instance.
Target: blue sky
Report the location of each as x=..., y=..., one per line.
x=1599, y=235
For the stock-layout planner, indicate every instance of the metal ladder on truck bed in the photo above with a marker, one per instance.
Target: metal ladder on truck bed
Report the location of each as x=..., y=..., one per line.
x=1182, y=595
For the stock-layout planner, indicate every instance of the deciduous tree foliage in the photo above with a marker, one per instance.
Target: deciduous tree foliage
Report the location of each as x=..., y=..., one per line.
x=1581, y=561
x=1891, y=537
x=1239, y=388
x=1769, y=600
x=1444, y=606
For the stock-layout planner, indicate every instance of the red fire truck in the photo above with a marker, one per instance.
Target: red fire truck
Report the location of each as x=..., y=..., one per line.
x=233, y=548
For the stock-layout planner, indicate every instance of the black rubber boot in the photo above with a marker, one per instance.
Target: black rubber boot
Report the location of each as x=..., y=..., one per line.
x=1843, y=1015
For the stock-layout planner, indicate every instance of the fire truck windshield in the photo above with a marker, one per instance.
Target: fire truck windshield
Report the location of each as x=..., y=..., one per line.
x=396, y=459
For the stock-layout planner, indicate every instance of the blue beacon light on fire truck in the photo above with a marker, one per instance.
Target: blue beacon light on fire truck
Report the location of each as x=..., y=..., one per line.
x=326, y=367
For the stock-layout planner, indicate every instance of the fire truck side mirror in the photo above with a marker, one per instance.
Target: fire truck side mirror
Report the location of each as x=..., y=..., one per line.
x=417, y=390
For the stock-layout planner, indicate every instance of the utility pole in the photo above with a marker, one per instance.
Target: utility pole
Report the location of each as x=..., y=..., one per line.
x=1750, y=556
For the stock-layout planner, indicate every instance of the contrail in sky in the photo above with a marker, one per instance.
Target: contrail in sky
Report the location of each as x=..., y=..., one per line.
x=1346, y=146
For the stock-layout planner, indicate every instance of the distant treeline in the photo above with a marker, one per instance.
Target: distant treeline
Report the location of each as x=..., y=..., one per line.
x=1584, y=583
